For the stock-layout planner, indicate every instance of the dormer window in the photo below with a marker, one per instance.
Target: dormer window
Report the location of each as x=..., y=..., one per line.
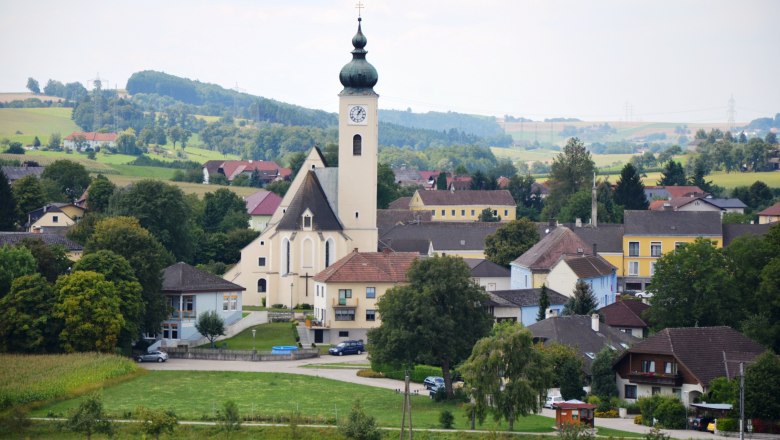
x=306, y=220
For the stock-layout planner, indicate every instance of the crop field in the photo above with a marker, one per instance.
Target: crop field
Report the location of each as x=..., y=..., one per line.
x=32, y=378
x=188, y=187
x=31, y=122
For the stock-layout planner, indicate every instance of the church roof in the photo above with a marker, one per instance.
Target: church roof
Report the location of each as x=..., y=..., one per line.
x=181, y=277
x=376, y=267
x=358, y=76
x=310, y=196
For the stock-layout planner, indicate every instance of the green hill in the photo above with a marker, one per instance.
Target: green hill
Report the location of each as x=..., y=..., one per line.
x=23, y=124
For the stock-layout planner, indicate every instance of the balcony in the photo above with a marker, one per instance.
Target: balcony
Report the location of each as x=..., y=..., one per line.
x=345, y=302
x=183, y=314
x=658, y=379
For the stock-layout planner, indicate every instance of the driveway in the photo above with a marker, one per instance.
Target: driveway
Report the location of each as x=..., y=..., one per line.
x=349, y=375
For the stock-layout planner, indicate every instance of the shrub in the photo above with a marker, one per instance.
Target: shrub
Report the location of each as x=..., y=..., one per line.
x=656, y=434
x=361, y=426
x=638, y=420
x=728, y=424
x=156, y=421
x=671, y=413
x=610, y=414
x=89, y=418
x=446, y=419
x=418, y=374
x=228, y=419
x=632, y=408
x=367, y=372
x=575, y=431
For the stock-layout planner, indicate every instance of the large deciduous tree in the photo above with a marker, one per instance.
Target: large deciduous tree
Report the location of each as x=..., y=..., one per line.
x=89, y=308
x=210, y=325
x=436, y=318
x=33, y=85
x=583, y=302
x=510, y=241
x=8, y=209
x=99, y=194
x=29, y=196
x=70, y=177
x=387, y=188
x=630, y=191
x=224, y=210
x=51, y=260
x=762, y=380
x=602, y=376
x=14, y=262
x=26, y=321
x=571, y=171
x=506, y=374
x=572, y=379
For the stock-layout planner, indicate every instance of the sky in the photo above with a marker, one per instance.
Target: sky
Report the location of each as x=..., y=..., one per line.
x=659, y=60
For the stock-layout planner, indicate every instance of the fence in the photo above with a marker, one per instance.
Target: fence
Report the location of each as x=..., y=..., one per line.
x=220, y=354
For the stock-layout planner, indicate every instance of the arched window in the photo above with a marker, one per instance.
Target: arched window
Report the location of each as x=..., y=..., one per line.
x=262, y=285
x=285, y=266
x=328, y=252
x=357, y=145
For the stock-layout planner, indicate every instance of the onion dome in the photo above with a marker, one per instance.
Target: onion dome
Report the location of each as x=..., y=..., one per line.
x=358, y=76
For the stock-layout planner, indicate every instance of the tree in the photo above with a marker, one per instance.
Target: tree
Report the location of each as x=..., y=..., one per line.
x=126, y=143
x=162, y=210
x=71, y=177
x=117, y=270
x=673, y=174
x=571, y=171
x=55, y=140
x=125, y=237
x=441, y=181
x=771, y=138
x=544, y=303
x=522, y=190
x=295, y=162
x=602, y=376
x=557, y=355
x=224, y=210
x=697, y=178
x=331, y=154
x=8, y=209
x=506, y=374
x=14, y=262
x=89, y=307
x=156, y=421
x=210, y=325
x=630, y=192
x=361, y=426
x=510, y=241
x=387, y=189
x=435, y=318
x=29, y=196
x=487, y=215
x=33, y=86
x=26, y=322
x=176, y=134
x=99, y=193
x=36, y=142
x=693, y=287
x=15, y=148
x=89, y=418
x=760, y=195
x=228, y=418
x=762, y=380
x=583, y=302
x=51, y=261
x=571, y=379
x=278, y=187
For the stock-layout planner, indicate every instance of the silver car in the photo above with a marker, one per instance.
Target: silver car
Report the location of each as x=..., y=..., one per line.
x=153, y=356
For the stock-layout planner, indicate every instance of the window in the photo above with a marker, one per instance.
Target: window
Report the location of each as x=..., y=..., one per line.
x=55, y=219
x=345, y=314
x=652, y=268
x=677, y=392
x=633, y=248
x=357, y=214
x=344, y=294
x=370, y=315
x=229, y=302
x=433, y=213
x=678, y=245
x=343, y=334
x=307, y=222
x=262, y=242
x=656, y=390
x=453, y=213
x=495, y=213
x=443, y=212
x=233, y=302
x=506, y=213
x=170, y=331
x=328, y=251
x=648, y=366
x=630, y=391
x=285, y=256
x=633, y=268
x=261, y=261
x=188, y=306
x=462, y=212
x=370, y=292
x=225, y=301
x=357, y=145
x=262, y=285
x=655, y=249
x=670, y=367
x=472, y=212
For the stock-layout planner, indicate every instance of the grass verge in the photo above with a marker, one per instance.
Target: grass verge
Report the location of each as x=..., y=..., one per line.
x=266, y=337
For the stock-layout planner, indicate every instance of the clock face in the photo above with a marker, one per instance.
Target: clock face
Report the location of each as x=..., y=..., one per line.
x=357, y=114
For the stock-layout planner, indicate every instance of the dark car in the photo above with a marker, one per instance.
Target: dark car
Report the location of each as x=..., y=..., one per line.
x=700, y=423
x=347, y=347
x=153, y=356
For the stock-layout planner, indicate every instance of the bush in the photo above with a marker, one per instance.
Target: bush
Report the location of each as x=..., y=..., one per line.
x=361, y=426
x=728, y=424
x=575, y=431
x=446, y=419
x=610, y=414
x=632, y=408
x=671, y=413
x=638, y=420
x=228, y=419
x=418, y=374
x=656, y=434
x=367, y=372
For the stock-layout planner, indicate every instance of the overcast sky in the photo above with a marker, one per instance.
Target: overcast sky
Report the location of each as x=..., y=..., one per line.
x=663, y=60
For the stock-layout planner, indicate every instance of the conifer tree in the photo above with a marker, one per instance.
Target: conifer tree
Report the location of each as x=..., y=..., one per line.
x=673, y=174
x=8, y=211
x=544, y=303
x=583, y=302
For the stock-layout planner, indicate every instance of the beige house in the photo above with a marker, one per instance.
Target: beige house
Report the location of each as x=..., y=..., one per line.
x=345, y=294
x=53, y=216
x=461, y=206
x=769, y=215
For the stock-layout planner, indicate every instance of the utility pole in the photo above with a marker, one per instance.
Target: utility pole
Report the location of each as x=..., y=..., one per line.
x=407, y=408
x=741, y=400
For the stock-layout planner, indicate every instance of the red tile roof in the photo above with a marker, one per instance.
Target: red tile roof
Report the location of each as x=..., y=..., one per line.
x=499, y=197
x=684, y=191
x=93, y=136
x=232, y=168
x=544, y=254
x=377, y=267
x=772, y=210
x=262, y=203
x=626, y=313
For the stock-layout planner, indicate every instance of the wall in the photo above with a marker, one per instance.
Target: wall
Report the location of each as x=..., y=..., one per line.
x=521, y=277
x=644, y=258
x=462, y=213
x=238, y=355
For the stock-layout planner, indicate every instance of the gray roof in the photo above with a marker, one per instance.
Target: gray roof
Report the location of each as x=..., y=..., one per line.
x=730, y=232
x=530, y=297
x=13, y=238
x=543, y=255
x=310, y=196
x=575, y=331
x=671, y=223
x=607, y=237
x=15, y=173
x=589, y=266
x=419, y=245
x=481, y=268
x=445, y=236
x=387, y=218
x=181, y=278
x=727, y=203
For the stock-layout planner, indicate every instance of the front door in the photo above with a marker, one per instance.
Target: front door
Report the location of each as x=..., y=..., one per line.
x=318, y=336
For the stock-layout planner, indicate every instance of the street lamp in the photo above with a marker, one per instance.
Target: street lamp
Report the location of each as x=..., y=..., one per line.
x=254, y=331
x=291, y=303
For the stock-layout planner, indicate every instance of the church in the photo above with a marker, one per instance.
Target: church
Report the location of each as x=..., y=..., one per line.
x=327, y=212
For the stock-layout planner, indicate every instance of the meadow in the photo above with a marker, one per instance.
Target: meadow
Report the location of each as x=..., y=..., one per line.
x=266, y=337
x=31, y=122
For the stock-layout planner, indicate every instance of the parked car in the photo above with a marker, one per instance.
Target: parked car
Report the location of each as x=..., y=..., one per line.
x=643, y=295
x=552, y=400
x=432, y=382
x=153, y=356
x=347, y=347
x=436, y=389
x=701, y=423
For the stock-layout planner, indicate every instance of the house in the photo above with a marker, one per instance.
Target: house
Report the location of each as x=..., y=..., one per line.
x=682, y=362
x=770, y=215
x=53, y=216
x=15, y=173
x=261, y=206
x=650, y=234
x=530, y=269
x=460, y=206
x=672, y=191
x=522, y=305
x=488, y=274
x=345, y=293
x=462, y=239
x=698, y=204
x=736, y=230
x=327, y=212
x=626, y=316
x=91, y=140
x=606, y=240
x=189, y=292
x=593, y=270
x=584, y=333
x=459, y=183
x=268, y=170
x=73, y=250
x=386, y=219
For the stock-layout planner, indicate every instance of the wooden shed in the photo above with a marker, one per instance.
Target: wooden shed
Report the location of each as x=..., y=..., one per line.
x=574, y=411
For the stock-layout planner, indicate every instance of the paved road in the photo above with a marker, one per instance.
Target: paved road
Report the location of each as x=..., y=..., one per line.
x=348, y=375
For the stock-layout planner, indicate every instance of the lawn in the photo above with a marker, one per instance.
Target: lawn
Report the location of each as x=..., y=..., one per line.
x=31, y=122
x=197, y=395
x=268, y=335
x=188, y=187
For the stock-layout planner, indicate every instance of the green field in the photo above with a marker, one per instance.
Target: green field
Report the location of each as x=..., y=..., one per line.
x=266, y=336
x=32, y=122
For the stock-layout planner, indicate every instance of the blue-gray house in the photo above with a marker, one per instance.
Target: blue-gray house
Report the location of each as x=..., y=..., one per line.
x=593, y=270
x=522, y=305
x=530, y=270
x=190, y=292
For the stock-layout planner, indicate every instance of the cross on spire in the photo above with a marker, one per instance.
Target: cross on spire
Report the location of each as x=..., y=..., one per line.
x=359, y=6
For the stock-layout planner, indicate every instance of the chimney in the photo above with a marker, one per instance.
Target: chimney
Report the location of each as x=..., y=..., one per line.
x=594, y=249
x=578, y=223
x=594, y=322
x=550, y=313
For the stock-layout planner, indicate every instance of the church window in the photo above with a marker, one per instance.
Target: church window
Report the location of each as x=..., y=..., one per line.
x=357, y=214
x=306, y=222
x=262, y=285
x=286, y=256
x=357, y=145
x=261, y=261
x=328, y=252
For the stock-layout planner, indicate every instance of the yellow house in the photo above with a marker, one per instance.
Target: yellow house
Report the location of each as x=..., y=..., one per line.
x=73, y=250
x=345, y=294
x=54, y=215
x=650, y=234
x=460, y=206
x=769, y=215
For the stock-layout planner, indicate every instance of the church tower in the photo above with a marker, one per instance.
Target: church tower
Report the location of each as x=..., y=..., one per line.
x=358, y=148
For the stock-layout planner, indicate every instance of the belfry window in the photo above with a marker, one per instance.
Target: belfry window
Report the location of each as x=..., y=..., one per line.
x=357, y=145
